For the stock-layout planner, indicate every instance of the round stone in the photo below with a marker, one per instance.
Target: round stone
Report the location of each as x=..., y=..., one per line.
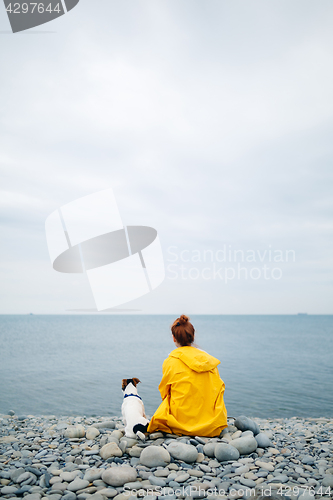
x=328, y=480
x=118, y=476
x=33, y=496
x=75, y=431
x=208, y=449
x=308, y=460
x=245, y=445
x=157, y=481
x=265, y=465
x=181, y=451
x=68, y=476
x=135, y=451
x=110, y=450
x=77, y=484
x=6, y=490
x=244, y=423
x=92, y=474
x=263, y=440
x=92, y=433
x=154, y=456
x=225, y=452
x=247, y=482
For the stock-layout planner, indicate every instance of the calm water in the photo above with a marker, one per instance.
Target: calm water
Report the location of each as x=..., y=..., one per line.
x=273, y=366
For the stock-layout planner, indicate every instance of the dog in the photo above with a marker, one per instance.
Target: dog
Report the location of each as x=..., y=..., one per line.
x=133, y=410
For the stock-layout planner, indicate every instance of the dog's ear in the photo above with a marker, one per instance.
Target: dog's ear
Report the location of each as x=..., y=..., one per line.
x=136, y=381
x=124, y=383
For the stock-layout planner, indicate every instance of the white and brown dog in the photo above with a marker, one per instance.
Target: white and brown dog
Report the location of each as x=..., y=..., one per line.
x=133, y=410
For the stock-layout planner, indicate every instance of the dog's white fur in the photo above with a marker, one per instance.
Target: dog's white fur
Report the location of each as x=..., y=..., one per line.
x=133, y=412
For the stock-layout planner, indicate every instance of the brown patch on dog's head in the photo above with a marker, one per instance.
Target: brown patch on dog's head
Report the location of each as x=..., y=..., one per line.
x=127, y=381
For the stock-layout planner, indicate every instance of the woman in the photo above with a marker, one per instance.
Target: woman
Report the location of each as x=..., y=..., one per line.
x=191, y=389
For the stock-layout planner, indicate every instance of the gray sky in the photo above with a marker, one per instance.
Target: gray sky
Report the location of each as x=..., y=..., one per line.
x=212, y=122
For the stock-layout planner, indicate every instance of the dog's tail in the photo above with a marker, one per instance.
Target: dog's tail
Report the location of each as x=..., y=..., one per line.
x=139, y=430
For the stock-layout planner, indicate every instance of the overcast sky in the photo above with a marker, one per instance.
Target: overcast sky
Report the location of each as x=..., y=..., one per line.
x=211, y=120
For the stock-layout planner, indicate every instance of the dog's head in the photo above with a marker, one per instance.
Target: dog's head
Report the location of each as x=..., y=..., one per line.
x=127, y=381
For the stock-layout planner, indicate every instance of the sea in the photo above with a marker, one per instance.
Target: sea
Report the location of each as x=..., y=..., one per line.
x=272, y=366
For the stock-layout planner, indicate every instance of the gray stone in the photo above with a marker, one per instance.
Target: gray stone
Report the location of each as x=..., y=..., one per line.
x=244, y=423
x=247, y=433
x=308, y=460
x=70, y=495
x=118, y=476
x=92, y=474
x=282, y=478
x=208, y=449
x=225, y=452
x=182, y=477
x=181, y=451
x=75, y=431
x=155, y=456
x=77, y=484
x=247, y=482
x=108, y=492
x=6, y=490
x=33, y=496
x=105, y=425
x=328, y=480
x=68, y=476
x=129, y=441
x=245, y=445
x=135, y=451
x=157, y=481
x=23, y=477
x=15, y=473
x=156, y=435
x=263, y=440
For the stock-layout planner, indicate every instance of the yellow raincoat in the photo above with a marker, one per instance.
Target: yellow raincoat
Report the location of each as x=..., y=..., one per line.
x=192, y=393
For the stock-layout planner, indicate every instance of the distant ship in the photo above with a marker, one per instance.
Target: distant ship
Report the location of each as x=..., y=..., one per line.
x=302, y=314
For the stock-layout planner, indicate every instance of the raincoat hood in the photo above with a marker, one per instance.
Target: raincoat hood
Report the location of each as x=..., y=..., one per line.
x=197, y=360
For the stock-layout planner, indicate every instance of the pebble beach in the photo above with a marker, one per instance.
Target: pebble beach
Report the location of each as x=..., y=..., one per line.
x=69, y=458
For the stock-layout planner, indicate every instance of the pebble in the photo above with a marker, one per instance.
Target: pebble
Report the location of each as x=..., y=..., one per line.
x=154, y=456
x=209, y=449
x=92, y=433
x=328, y=480
x=110, y=450
x=118, y=476
x=225, y=452
x=263, y=440
x=77, y=484
x=110, y=424
x=245, y=445
x=246, y=424
x=75, y=431
x=181, y=451
x=39, y=461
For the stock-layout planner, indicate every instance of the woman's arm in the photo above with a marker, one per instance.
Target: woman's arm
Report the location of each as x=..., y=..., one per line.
x=165, y=384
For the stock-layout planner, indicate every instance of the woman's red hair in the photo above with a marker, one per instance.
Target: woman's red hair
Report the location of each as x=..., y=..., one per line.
x=183, y=331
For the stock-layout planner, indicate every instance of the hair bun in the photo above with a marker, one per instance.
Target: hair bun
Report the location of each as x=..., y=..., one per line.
x=183, y=319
